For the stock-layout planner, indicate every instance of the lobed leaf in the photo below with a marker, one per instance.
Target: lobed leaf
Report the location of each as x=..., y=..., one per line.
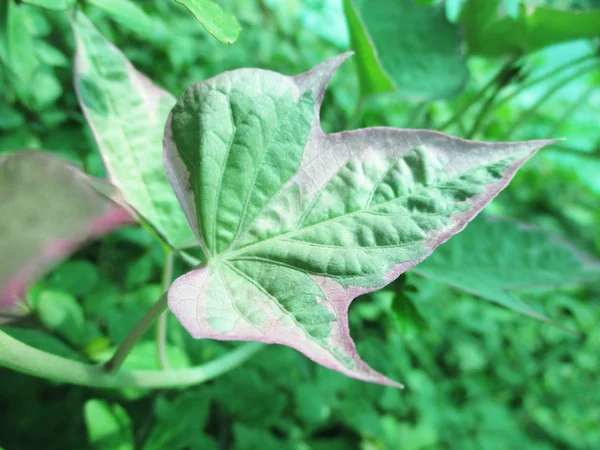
x=491, y=32
x=224, y=27
x=405, y=47
x=127, y=114
x=296, y=223
x=493, y=258
x=48, y=209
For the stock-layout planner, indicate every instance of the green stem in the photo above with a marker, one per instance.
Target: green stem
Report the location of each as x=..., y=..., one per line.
x=554, y=89
x=483, y=111
x=526, y=85
x=136, y=333
x=479, y=94
x=161, y=326
x=20, y=357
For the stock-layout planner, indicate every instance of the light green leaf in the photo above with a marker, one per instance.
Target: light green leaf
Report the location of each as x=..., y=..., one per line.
x=60, y=312
x=490, y=31
x=222, y=26
x=108, y=426
x=48, y=209
x=296, y=223
x=127, y=114
x=493, y=258
x=52, y=4
x=405, y=47
x=127, y=14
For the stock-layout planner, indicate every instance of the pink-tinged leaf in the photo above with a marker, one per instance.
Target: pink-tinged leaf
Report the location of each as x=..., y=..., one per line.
x=127, y=114
x=296, y=223
x=48, y=209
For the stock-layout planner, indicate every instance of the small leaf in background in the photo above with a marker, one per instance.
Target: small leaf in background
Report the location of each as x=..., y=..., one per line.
x=176, y=431
x=127, y=114
x=52, y=4
x=127, y=13
x=492, y=258
x=224, y=27
x=405, y=47
x=43, y=341
x=108, y=426
x=61, y=313
x=139, y=271
x=78, y=277
x=490, y=31
x=296, y=223
x=48, y=209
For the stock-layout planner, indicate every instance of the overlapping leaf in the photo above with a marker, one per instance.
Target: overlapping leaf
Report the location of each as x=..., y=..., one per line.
x=296, y=223
x=224, y=27
x=127, y=114
x=405, y=47
x=489, y=31
x=48, y=209
x=493, y=258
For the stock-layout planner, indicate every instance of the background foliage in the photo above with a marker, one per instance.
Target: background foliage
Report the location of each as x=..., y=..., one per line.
x=477, y=375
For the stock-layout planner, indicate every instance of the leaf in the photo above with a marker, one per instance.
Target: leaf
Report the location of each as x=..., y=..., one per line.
x=492, y=258
x=405, y=47
x=48, y=209
x=175, y=431
x=217, y=22
x=491, y=32
x=127, y=14
x=108, y=426
x=296, y=223
x=52, y=4
x=127, y=114
x=60, y=312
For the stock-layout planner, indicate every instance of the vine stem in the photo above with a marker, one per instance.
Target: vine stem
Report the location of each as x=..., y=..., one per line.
x=161, y=326
x=20, y=357
x=136, y=333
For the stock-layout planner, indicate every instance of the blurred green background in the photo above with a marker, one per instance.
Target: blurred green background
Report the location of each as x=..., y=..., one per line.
x=478, y=376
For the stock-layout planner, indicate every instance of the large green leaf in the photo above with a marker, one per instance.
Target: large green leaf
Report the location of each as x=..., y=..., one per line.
x=491, y=31
x=493, y=258
x=406, y=47
x=127, y=114
x=217, y=22
x=296, y=223
x=48, y=209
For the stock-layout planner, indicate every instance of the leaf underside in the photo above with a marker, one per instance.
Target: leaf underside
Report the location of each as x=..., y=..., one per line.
x=296, y=223
x=48, y=209
x=126, y=113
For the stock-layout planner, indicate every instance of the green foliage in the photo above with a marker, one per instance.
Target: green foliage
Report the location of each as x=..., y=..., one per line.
x=405, y=47
x=490, y=31
x=477, y=376
x=108, y=426
x=217, y=22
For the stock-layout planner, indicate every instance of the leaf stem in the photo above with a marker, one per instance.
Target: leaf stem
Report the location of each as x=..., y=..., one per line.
x=136, y=333
x=549, y=93
x=479, y=94
x=526, y=85
x=20, y=357
x=161, y=325
x=484, y=111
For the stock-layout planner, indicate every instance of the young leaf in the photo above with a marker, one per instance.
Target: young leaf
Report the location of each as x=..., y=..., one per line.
x=47, y=210
x=296, y=223
x=108, y=426
x=127, y=114
x=493, y=257
x=490, y=32
x=217, y=22
x=405, y=47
